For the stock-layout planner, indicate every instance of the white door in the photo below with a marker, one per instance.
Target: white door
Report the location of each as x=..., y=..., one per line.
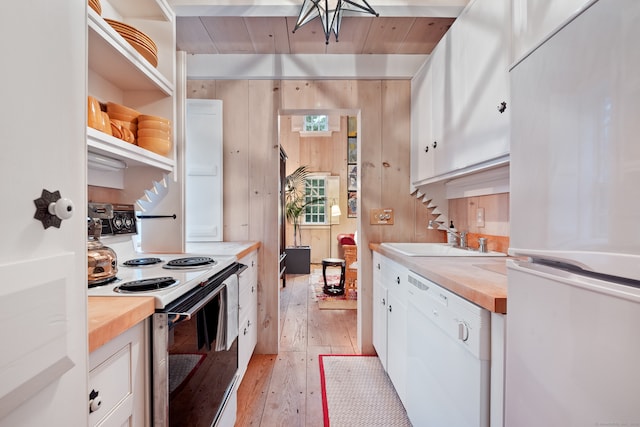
x=43, y=363
x=203, y=171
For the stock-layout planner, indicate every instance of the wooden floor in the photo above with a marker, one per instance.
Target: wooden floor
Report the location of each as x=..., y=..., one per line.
x=284, y=389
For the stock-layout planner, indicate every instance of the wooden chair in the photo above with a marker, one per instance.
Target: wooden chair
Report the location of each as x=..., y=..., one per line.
x=351, y=274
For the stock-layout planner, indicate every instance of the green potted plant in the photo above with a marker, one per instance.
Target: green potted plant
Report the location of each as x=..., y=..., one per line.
x=298, y=256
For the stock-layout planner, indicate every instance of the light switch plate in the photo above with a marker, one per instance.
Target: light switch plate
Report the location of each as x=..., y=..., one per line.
x=381, y=217
x=480, y=217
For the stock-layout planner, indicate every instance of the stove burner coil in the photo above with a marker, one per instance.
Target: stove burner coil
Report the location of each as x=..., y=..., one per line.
x=100, y=282
x=189, y=262
x=143, y=285
x=136, y=262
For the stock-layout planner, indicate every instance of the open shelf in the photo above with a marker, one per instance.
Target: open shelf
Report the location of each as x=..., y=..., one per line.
x=113, y=58
x=107, y=145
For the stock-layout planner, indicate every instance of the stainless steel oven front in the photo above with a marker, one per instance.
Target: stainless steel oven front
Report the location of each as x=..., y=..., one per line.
x=195, y=353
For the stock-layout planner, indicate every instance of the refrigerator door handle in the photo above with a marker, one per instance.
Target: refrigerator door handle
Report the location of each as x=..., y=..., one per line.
x=621, y=288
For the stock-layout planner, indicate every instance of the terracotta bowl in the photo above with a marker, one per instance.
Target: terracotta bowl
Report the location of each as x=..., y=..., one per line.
x=153, y=133
x=143, y=117
x=125, y=124
x=154, y=124
x=94, y=119
x=123, y=117
x=157, y=145
x=112, y=107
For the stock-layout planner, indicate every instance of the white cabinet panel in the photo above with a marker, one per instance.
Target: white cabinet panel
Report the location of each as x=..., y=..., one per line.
x=248, y=312
x=483, y=131
x=535, y=20
x=390, y=319
x=203, y=171
x=465, y=81
x=422, y=163
x=43, y=272
x=118, y=378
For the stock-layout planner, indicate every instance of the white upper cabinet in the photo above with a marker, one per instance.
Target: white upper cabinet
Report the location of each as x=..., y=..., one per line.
x=118, y=73
x=421, y=161
x=535, y=20
x=469, y=81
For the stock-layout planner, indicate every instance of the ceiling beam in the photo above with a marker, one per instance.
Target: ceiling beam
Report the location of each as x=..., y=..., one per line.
x=292, y=67
x=396, y=8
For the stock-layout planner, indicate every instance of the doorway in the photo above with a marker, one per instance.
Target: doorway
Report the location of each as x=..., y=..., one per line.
x=337, y=155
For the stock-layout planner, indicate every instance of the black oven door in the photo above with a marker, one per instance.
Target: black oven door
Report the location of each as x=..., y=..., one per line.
x=195, y=354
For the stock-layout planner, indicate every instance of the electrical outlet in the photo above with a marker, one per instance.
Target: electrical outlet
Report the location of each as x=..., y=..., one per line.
x=381, y=217
x=480, y=217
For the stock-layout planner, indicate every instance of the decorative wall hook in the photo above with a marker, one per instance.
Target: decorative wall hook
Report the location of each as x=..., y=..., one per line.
x=51, y=209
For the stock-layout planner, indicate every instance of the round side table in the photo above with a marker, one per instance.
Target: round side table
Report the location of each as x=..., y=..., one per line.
x=333, y=289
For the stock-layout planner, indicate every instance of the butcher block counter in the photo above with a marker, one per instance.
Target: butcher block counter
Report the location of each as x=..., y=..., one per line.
x=111, y=316
x=481, y=280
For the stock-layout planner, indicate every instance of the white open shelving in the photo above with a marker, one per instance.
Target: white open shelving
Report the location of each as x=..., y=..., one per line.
x=120, y=74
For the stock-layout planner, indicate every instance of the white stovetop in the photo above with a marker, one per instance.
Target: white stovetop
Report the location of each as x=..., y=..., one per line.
x=187, y=279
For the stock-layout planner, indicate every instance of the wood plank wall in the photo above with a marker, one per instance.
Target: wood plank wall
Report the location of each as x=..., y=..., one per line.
x=250, y=114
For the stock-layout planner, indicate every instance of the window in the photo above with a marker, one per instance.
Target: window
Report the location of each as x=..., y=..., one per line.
x=316, y=123
x=315, y=189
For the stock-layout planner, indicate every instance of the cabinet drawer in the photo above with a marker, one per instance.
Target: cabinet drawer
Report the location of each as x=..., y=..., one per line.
x=248, y=337
x=112, y=380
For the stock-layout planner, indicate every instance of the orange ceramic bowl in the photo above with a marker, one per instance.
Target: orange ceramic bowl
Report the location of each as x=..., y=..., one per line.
x=112, y=107
x=154, y=124
x=143, y=117
x=157, y=145
x=153, y=133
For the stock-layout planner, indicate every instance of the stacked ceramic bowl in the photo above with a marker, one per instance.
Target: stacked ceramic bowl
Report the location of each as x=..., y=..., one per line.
x=124, y=121
x=95, y=5
x=96, y=118
x=154, y=134
x=139, y=40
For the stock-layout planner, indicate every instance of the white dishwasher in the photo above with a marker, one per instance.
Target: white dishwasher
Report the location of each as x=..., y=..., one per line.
x=448, y=376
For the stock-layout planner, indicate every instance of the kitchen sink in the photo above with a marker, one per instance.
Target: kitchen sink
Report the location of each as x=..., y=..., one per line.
x=436, y=249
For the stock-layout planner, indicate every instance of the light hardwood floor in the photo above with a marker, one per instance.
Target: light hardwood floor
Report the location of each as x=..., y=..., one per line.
x=284, y=389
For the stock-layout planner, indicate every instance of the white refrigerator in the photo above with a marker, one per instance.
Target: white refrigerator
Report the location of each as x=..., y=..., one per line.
x=573, y=337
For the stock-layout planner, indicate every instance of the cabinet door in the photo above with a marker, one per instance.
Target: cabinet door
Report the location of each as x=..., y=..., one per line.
x=483, y=51
x=380, y=319
x=438, y=105
x=248, y=311
x=118, y=375
x=421, y=151
x=397, y=343
x=43, y=367
x=203, y=174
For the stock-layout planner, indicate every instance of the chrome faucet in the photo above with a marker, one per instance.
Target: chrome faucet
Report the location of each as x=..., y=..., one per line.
x=462, y=236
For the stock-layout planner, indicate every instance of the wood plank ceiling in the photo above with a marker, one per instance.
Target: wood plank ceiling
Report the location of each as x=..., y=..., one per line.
x=273, y=35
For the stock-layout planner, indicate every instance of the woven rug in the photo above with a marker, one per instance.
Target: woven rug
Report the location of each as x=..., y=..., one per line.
x=348, y=301
x=356, y=391
x=181, y=367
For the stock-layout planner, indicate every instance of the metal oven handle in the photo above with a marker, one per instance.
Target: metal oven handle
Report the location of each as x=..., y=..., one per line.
x=176, y=317
x=187, y=313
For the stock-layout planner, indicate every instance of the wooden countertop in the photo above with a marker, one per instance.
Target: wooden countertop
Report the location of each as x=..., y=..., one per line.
x=111, y=316
x=481, y=280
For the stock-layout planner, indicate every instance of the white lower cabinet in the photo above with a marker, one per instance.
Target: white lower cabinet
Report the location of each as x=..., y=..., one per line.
x=118, y=380
x=390, y=319
x=247, y=312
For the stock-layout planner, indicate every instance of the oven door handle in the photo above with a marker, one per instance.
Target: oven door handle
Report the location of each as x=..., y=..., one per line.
x=177, y=317
x=241, y=268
